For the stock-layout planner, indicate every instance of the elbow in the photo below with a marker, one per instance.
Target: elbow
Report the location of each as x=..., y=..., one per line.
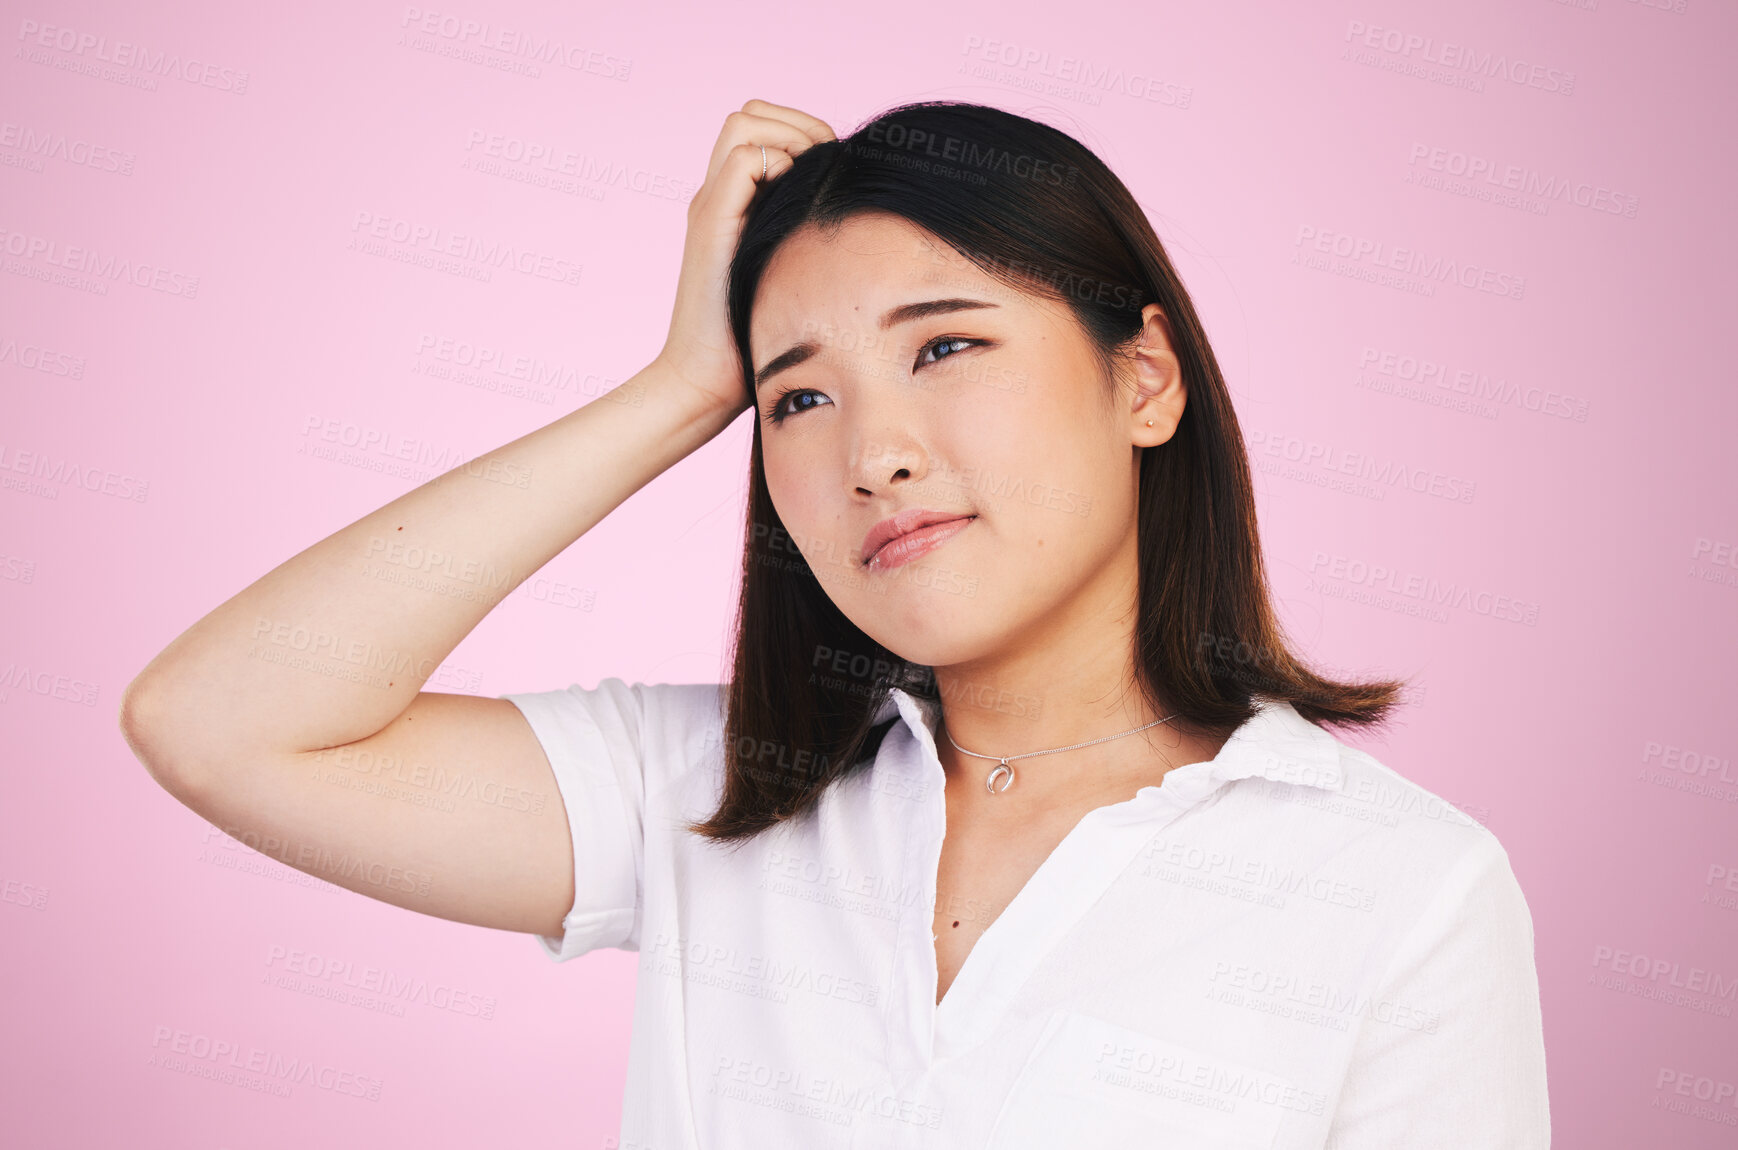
x=142, y=723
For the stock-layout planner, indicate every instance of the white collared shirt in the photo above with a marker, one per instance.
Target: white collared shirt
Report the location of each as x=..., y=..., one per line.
x=1289, y=946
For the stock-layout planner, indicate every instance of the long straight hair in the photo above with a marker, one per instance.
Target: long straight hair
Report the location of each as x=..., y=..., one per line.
x=1038, y=211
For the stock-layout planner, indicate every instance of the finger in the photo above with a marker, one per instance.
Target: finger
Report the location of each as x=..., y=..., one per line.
x=816, y=129
x=740, y=175
x=747, y=128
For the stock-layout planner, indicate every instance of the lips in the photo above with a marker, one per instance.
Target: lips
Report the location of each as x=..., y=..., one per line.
x=909, y=522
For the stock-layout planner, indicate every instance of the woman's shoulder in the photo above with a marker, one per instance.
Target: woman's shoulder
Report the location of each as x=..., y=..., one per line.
x=648, y=705
x=1305, y=793
x=1420, y=843
x=662, y=716
x=1350, y=792
x=655, y=730
x=1394, y=799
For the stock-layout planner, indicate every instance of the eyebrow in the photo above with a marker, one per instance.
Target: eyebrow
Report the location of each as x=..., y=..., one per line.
x=904, y=313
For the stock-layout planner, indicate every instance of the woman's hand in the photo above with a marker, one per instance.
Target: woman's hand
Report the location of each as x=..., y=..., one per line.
x=699, y=348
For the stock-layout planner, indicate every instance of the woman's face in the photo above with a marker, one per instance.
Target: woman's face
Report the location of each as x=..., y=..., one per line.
x=997, y=412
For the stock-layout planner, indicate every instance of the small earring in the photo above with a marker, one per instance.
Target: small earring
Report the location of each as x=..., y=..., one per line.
x=1149, y=423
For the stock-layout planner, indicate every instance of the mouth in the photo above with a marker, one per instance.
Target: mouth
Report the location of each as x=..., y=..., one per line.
x=897, y=541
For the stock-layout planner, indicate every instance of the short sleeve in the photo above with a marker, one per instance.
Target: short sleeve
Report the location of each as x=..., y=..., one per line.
x=1451, y=1051
x=604, y=744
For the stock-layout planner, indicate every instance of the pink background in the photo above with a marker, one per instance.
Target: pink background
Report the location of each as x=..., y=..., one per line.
x=1587, y=428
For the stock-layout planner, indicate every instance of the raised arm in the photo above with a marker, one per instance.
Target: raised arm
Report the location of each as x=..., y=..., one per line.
x=283, y=715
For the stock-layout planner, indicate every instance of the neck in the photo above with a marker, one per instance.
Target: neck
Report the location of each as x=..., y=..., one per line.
x=1068, y=678
x=1015, y=725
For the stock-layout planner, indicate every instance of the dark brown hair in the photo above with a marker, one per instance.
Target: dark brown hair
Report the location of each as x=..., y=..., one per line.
x=1037, y=210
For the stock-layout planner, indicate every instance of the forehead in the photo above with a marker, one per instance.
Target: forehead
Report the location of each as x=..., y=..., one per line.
x=850, y=276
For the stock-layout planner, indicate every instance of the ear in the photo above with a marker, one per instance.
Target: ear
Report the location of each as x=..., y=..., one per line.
x=1159, y=393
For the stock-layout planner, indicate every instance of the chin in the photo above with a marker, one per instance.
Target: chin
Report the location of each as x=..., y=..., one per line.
x=923, y=625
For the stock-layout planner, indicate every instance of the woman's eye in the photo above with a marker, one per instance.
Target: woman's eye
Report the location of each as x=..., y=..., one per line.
x=779, y=411
x=789, y=403
x=944, y=341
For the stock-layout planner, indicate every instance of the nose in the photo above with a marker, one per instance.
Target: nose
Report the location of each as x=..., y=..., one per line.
x=879, y=462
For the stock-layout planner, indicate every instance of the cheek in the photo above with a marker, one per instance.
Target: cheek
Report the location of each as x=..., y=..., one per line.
x=1042, y=465
x=797, y=492
x=790, y=480
x=785, y=503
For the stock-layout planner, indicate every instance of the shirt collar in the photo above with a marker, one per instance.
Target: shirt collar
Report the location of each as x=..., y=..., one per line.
x=1276, y=743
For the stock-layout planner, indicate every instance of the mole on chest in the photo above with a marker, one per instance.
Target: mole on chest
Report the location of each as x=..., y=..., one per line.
x=975, y=883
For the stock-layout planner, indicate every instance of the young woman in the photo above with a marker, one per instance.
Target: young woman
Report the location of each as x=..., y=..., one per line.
x=1017, y=823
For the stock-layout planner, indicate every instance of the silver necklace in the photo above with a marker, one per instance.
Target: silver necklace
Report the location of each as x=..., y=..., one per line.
x=1002, y=761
